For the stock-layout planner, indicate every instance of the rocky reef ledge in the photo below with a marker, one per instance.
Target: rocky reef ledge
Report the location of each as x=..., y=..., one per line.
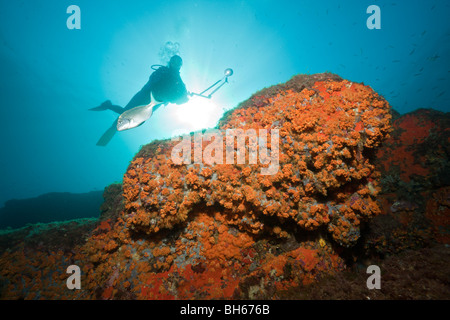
x=198, y=230
x=50, y=207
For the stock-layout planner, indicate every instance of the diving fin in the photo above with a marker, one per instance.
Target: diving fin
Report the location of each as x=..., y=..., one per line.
x=107, y=105
x=108, y=135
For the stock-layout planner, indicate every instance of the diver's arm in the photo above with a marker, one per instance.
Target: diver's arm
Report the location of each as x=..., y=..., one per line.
x=182, y=93
x=183, y=96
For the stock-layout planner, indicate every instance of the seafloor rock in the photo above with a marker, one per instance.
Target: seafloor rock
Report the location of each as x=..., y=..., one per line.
x=226, y=230
x=49, y=207
x=412, y=274
x=416, y=156
x=34, y=259
x=112, y=205
x=415, y=179
x=410, y=239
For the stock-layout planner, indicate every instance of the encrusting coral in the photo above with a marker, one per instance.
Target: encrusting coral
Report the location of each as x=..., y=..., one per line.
x=414, y=163
x=200, y=230
x=325, y=177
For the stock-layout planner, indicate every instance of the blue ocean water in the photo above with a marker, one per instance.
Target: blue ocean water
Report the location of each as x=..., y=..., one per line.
x=51, y=75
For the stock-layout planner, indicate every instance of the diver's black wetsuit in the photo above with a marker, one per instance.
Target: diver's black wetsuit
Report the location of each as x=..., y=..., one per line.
x=165, y=84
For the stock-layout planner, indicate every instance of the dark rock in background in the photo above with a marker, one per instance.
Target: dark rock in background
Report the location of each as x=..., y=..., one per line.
x=55, y=206
x=113, y=204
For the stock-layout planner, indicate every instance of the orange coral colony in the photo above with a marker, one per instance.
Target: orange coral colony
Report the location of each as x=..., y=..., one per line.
x=227, y=231
x=324, y=177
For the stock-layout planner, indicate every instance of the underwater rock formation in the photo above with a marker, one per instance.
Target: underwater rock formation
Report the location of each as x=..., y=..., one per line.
x=325, y=177
x=54, y=206
x=415, y=179
x=34, y=259
x=226, y=230
x=416, y=156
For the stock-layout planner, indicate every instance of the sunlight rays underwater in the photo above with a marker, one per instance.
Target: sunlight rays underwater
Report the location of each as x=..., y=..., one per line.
x=209, y=43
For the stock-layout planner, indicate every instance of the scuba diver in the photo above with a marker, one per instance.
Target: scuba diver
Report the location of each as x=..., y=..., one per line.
x=164, y=86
